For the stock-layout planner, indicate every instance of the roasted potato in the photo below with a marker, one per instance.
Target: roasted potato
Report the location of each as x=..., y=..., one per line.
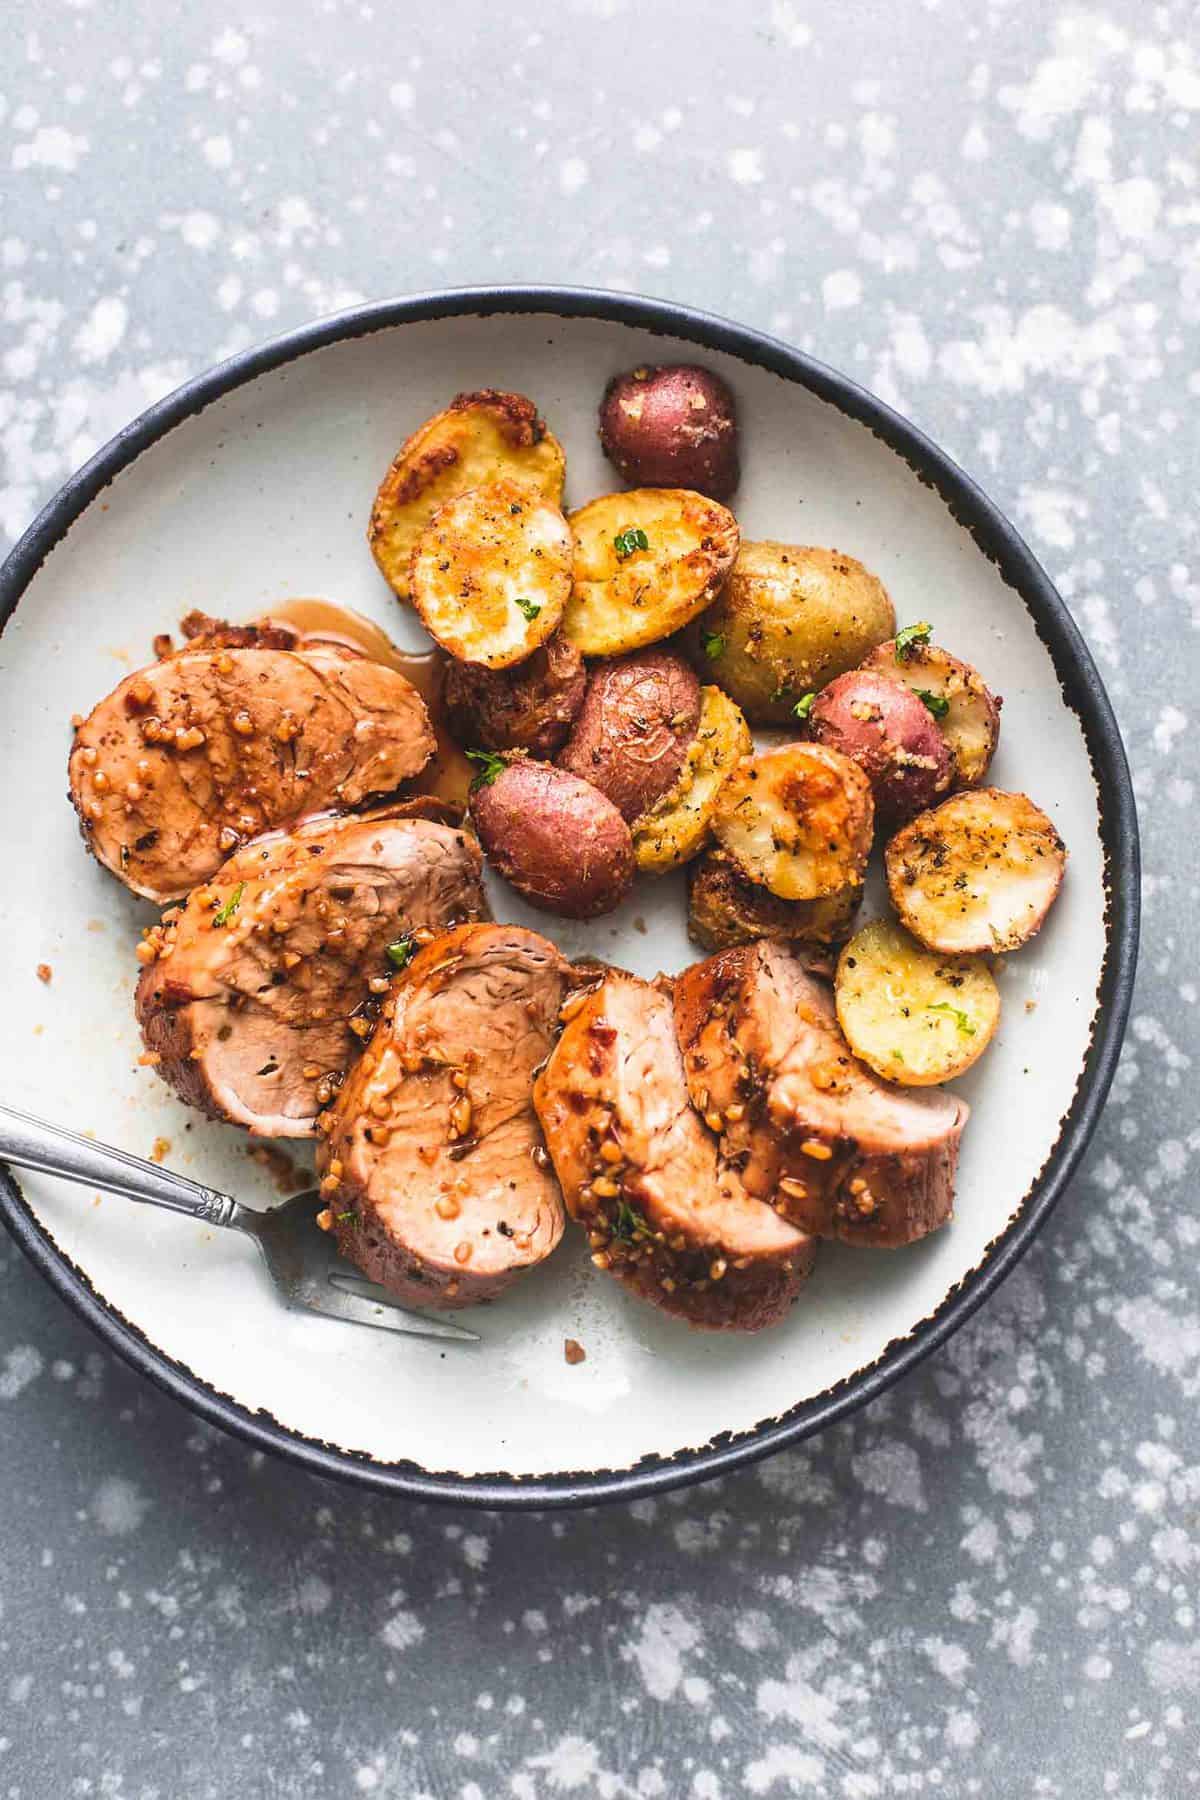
x=480, y=438
x=915, y=1016
x=724, y=908
x=531, y=706
x=646, y=562
x=672, y=427
x=798, y=820
x=967, y=712
x=558, y=840
x=790, y=618
x=491, y=574
x=890, y=733
x=636, y=725
x=979, y=872
x=678, y=827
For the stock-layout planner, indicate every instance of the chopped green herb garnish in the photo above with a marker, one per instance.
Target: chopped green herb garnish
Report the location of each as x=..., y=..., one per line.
x=529, y=607
x=909, y=636
x=631, y=539
x=804, y=706
x=342, y=1217
x=960, y=1018
x=490, y=765
x=223, y=915
x=713, y=644
x=898, y=1056
x=401, y=953
x=938, y=704
x=630, y=1223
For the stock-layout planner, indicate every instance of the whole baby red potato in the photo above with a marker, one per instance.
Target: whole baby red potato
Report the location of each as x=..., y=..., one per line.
x=892, y=736
x=556, y=839
x=672, y=427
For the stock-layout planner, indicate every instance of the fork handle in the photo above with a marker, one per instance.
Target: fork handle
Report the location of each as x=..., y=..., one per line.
x=33, y=1144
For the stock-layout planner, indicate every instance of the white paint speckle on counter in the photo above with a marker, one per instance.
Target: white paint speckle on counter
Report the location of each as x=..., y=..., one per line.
x=986, y=1583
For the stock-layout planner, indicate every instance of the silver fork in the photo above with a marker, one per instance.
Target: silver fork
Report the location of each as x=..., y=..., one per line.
x=301, y=1260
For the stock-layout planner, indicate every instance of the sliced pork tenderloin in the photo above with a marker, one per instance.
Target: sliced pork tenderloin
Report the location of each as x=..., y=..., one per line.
x=255, y=991
x=813, y=1131
x=217, y=743
x=436, y=1181
x=641, y=1172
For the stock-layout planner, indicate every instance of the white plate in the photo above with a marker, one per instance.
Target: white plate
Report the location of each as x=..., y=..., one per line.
x=253, y=485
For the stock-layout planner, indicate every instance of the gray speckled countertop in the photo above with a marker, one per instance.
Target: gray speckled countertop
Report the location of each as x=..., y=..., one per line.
x=986, y=1583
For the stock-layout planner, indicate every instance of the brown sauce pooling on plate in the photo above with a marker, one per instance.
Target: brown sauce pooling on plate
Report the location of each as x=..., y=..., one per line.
x=449, y=774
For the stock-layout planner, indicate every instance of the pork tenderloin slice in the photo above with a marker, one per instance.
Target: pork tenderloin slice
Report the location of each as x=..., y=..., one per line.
x=436, y=1180
x=812, y=1130
x=214, y=745
x=251, y=1003
x=640, y=1171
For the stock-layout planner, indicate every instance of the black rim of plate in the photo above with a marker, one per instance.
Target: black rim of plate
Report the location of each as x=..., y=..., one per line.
x=1082, y=689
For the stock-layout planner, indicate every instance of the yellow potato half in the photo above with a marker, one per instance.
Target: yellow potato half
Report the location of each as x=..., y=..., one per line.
x=481, y=437
x=914, y=1016
x=491, y=574
x=798, y=820
x=647, y=562
x=979, y=872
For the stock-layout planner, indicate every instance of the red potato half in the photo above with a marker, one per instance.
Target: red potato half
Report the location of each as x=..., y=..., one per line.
x=672, y=427
x=556, y=839
x=633, y=731
x=968, y=713
x=979, y=872
x=891, y=734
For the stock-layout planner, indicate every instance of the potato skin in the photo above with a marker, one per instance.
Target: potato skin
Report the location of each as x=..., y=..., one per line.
x=674, y=426
x=633, y=732
x=531, y=706
x=724, y=909
x=556, y=839
x=890, y=734
x=788, y=620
